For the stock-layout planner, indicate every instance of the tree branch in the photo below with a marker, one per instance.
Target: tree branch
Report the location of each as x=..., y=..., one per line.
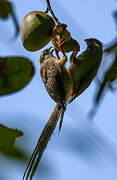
x=51, y=11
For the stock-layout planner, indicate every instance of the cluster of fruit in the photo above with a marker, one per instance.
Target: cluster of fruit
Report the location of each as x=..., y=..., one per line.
x=38, y=29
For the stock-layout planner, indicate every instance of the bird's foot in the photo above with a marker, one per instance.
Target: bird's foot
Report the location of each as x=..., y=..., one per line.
x=60, y=44
x=57, y=54
x=74, y=53
x=76, y=50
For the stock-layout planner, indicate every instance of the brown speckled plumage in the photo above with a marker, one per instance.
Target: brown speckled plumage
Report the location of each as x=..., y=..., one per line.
x=55, y=76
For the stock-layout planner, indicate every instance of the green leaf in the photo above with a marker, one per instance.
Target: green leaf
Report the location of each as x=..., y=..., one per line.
x=7, y=142
x=5, y=9
x=15, y=73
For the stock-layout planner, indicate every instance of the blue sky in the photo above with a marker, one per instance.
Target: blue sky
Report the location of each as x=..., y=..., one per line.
x=74, y=153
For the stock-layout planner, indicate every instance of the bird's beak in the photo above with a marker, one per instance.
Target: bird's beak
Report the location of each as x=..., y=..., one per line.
x=87, y=41
x=49, y=48
x=52, y=51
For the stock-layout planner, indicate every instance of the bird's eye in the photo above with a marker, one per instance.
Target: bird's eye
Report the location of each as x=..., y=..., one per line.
x=97, y=44
x=96, y=41
x=46, y=53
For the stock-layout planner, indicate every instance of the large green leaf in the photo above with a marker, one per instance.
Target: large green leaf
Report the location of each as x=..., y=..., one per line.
x=15, y=73
x=6, y=8
x=7, y=142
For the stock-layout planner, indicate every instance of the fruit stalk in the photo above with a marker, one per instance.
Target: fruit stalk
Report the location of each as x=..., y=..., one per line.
x=51, y=11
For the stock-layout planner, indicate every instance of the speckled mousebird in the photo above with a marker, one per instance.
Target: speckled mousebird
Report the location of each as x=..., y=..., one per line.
x=84, y=67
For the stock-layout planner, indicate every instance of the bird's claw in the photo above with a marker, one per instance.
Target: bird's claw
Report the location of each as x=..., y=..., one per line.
x=60, y=44
x=57, y=54
x=76, y=50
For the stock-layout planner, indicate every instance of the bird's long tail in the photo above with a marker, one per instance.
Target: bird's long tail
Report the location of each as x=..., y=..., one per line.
x=42, y=143
x=62, y=110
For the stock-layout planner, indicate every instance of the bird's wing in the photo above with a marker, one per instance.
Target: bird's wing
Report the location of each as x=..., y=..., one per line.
x=84, y=83
x=86, y=68
x=83, y=57
x=87, y=79
x=87, y=61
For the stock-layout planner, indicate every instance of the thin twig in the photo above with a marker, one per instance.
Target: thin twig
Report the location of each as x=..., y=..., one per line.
x=51, y=11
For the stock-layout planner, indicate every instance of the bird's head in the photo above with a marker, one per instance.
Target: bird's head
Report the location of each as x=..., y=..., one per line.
x=46, y=54
x=92, y=42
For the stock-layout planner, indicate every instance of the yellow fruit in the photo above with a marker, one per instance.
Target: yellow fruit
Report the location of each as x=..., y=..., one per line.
x=36, y=29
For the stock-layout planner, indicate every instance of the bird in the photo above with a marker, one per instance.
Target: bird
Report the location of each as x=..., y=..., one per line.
x=56, y=78
x=63, y=41
x=84, y=67
x=59, y=85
